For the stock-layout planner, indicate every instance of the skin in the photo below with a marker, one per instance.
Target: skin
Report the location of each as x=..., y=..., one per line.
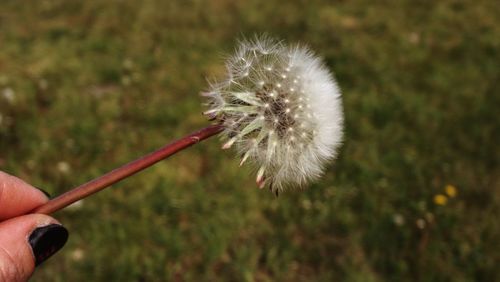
x=17, y=198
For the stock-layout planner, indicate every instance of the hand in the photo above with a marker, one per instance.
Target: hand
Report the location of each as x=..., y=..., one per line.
x=26, y=240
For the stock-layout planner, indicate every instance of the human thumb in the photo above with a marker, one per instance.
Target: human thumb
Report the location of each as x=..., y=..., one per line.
x=25, y=242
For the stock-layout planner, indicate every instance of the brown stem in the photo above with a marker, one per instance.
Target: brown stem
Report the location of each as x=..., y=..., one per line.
x=125, y=171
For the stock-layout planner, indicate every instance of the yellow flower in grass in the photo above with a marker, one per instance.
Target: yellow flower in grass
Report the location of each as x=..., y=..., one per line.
x=440, y=199
x=451, y=191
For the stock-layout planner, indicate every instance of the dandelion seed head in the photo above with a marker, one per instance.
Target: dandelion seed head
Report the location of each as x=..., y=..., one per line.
x=260, y=103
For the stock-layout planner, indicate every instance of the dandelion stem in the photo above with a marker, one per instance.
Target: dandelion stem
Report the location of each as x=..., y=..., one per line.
x=125, y=171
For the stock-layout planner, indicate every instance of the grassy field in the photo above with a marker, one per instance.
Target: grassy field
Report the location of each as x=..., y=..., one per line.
x=86, y=86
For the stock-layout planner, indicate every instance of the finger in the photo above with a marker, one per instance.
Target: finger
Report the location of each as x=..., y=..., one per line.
x=17, y=197
x=27, y=241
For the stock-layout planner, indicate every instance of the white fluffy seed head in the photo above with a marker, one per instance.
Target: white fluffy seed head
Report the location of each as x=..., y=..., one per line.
x=281, y=109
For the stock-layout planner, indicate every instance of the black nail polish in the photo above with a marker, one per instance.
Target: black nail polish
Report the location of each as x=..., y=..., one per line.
x=45, y=192
x=47, y=240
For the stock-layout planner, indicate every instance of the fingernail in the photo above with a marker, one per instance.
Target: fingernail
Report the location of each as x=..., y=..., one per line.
x=45, y=192
x=47, y=240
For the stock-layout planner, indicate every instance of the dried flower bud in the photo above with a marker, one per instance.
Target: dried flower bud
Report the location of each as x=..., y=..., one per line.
x=281, y=109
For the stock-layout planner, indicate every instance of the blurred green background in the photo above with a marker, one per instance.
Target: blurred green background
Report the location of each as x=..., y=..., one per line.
x=86, y=86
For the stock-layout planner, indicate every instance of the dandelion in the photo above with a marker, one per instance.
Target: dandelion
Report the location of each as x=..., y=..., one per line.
x=281, y=110
x=277, y=105
x=451, y=191
x=440, y=199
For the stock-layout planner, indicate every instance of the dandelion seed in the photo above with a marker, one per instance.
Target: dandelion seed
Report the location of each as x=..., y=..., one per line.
x=265, y=133
x=76, y=205
x=245, y=157
x=229, y=143
x=260, y=177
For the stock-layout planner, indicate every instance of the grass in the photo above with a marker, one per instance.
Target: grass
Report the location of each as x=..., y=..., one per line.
x=87, y=86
